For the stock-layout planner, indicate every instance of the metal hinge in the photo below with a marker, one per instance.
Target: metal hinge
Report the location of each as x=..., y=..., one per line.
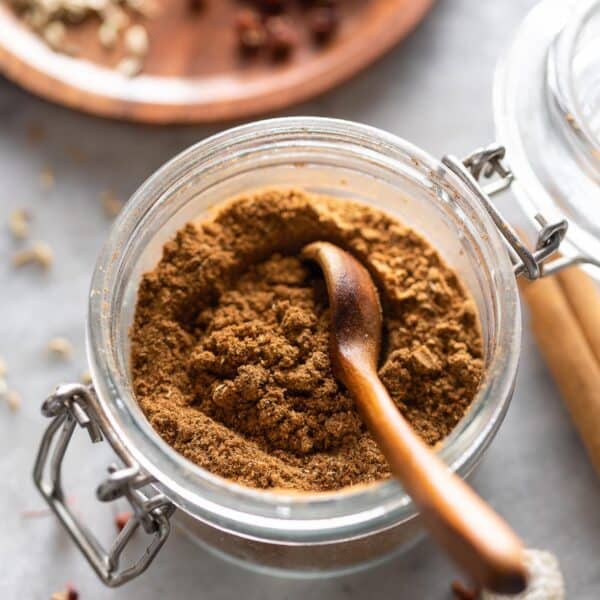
x=486, y=165
x=75, y=404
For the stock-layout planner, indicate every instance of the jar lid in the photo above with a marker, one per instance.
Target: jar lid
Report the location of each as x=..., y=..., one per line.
x=547, y=114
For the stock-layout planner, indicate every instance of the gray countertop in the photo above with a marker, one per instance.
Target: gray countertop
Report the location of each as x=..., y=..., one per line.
x=434, y=90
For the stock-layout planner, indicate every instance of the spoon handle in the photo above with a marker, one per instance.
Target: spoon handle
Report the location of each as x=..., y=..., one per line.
x=470, y=531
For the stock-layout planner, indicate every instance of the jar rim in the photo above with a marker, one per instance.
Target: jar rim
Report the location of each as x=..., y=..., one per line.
x=292, y=517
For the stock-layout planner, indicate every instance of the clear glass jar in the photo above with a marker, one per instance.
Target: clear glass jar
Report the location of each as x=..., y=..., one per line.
x=301, y=534
x=552, y=132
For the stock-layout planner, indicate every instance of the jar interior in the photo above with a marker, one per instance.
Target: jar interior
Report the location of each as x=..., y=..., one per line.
x=367, y=166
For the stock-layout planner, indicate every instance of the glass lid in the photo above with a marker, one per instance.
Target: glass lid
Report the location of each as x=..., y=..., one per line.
x=547, y=113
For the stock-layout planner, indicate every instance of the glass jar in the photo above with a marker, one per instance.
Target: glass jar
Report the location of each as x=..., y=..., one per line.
x=299, y=534
x=552, y=132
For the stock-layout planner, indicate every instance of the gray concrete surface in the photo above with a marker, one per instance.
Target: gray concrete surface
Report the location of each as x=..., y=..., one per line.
x=433, y=90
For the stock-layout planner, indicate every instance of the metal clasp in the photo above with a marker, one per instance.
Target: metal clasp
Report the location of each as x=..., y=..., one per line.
x=487, y=164
x=75, y=404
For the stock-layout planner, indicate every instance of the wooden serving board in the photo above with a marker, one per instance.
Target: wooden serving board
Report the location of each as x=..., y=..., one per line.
x=194, y=72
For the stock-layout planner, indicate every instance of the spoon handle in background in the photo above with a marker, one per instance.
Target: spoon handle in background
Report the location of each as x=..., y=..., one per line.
x=469, y=530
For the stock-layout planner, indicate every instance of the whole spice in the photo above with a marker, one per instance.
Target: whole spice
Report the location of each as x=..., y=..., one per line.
x=251, y=31
x=281, y=36
x=60, y=347
x=47, y=178
x=19, y=223
x=462, y=592
x=229, y=342
x=39, y=253
x=136, y=40
x=13, y=399
x=69, y=593
x=323, y=22
x=121, y=519
x=546, y=581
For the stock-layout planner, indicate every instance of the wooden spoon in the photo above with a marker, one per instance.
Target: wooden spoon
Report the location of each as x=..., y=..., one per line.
x=478, y=540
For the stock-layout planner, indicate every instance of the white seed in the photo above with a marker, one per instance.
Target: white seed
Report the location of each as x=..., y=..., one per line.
x=3, y=368
x=18, y=224
x=130, y=66
x=3, y=387
x=146, y=8
x=54, y=34
x=136, y=40
x=86, y=378
x=39, y=253
x=13, y=399
x=116, y=16
x=108, y=34
x=60, y=347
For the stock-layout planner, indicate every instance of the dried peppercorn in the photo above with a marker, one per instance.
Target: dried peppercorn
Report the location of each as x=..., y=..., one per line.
x=250, y=30
x=122, y=519
x=271, y=5
x=282, y=38
x=323, y=22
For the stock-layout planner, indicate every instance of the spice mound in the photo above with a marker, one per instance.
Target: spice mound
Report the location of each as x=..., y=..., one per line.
x=229, y=346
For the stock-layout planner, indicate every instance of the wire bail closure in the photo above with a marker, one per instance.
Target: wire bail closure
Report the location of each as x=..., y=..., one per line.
x=75, y=404
x=486, y=164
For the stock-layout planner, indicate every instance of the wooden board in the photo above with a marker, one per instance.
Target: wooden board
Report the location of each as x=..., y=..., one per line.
x=193, y=72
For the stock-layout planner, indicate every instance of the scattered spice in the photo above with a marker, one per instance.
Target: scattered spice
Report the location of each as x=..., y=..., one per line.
x=75, y=153
x=36, y=513
x=3, y=368
x=36, y=132
x=60, y=347
x=18, y=223
x=69, y=593
x=121, y=519
x=13, y=399
x=52, y=19
x=110, y=203
x=229, y=342
x=47, y=178
x=323, y=22
x=3, y=387
x=461, y=592
x=39, y=253
x=86, y=378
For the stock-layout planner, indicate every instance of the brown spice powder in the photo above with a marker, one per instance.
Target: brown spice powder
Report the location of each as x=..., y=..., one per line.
x=230, y=342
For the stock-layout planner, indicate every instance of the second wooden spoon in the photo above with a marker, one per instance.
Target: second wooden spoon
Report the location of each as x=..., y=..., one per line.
x=470, y=531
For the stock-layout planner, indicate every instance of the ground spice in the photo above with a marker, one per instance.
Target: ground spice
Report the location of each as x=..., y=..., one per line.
x=229, y=343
